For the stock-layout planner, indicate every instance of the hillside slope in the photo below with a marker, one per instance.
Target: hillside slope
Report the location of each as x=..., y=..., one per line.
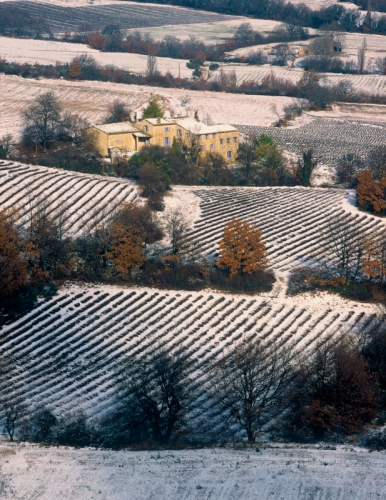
x=70, y=350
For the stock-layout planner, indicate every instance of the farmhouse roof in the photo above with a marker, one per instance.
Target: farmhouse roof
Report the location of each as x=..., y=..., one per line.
x=116, y=128
x=196, y=127
x=158, y=121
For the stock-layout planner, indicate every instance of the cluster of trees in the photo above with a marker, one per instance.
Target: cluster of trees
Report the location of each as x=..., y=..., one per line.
x=255, y=387
x=39, y=251
x=354, y=263
x=310, y=86
x=335, y=17
x=111, y=39
x=52, y=137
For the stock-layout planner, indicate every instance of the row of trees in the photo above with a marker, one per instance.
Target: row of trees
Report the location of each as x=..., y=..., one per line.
x=255, y=387
x=335, y=16
x=310, y=86
x=38, y=251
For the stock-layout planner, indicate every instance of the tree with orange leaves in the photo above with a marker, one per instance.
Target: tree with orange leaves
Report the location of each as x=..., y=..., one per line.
x=242, y=249
x=371, y=194
x=75, y=69
x=13, y=269
x=126, y=249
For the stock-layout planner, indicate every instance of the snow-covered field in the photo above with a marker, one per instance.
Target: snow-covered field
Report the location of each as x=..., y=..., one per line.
x=66, y=16
x=91, y=99
x=86, y=333
x=330, y=135
x=294, y=221
x=82, y=199
x=213, y=32
x=70, y=350
x=278, y=472
x=49, y=52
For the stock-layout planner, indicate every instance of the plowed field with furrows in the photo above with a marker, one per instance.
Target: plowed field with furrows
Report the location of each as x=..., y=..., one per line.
x=329, y=139
x=294, y=221
x=127, y=15
x=81, y=200
x=70, y=350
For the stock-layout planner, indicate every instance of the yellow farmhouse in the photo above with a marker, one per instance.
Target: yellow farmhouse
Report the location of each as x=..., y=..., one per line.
x=119, y=137
x=130, y=138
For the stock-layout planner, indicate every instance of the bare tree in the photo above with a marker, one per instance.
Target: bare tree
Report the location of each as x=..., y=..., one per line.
x=12, y=407
x=151, y=65
x=344, y=244
x=176, y=229
x=5, y=146
x=117, y=111
x=249, y=384
x=154, y=396
x=42, y=121
x=362, y=49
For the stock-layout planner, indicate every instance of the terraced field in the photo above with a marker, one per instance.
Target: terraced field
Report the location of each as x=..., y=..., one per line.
x=75, y=197
x=130, y=15
x=70, y=350
x=329, y=139
x=294, y=221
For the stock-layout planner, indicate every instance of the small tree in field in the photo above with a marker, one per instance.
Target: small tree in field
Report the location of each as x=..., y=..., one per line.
x=242, y=249
x=249, y=384
x=153, y=110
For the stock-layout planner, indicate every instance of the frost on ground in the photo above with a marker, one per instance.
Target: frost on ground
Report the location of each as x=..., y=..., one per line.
x=63, y=16
x=329, y=139
x=91, y=99
x=279, y=473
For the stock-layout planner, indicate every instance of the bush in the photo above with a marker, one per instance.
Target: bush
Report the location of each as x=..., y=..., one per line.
x=257, y=282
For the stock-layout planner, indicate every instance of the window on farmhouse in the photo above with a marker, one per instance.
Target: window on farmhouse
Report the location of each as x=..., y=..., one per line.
x=202, y=147
x=212, y=146
x=167, y=129
x=207, y=136
x=187, y=135
x=214, y=136
x=145, y=128
x=166, y=142
x=179, y=133
x=118, y=141
x=221, y=141
x=228, y=141
x=229, y=155
x=234, y=139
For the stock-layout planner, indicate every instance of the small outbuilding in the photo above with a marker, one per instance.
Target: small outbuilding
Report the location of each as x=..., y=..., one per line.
x=119, y=137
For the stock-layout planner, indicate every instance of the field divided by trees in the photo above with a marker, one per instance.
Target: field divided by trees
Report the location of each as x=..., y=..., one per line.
x=80, y=200
x=329, y=139
x=294, y=221
x=70, y=351
x=127, y=15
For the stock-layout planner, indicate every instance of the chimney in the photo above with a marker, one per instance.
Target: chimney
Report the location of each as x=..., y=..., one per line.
x=158, y=121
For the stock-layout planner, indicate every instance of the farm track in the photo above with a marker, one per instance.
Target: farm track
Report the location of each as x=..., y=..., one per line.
x=81, y=200
x=70, y=350
x=130, y=16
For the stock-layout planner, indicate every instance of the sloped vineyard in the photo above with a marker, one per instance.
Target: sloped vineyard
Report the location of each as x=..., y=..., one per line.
x=129, y=15
x=80, y=199
x=70, y=350
x=329, y=139
x=294, y=220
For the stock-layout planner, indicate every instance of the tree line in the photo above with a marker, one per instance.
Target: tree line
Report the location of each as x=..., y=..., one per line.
x=310, y=85
x=168, y=398
x=334, y=17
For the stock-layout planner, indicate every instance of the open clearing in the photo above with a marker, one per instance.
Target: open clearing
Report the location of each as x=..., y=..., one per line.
x=278, y=472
